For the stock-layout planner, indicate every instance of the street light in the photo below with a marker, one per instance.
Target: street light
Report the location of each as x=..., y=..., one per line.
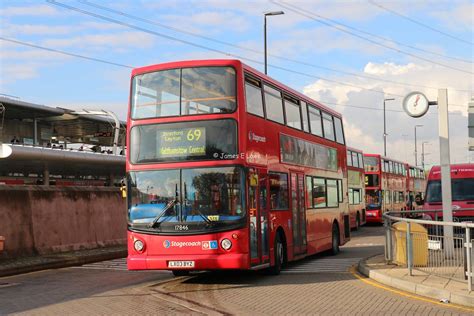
x=385, y=128
x=423, y=154
x=265, y=32
x=416, y=152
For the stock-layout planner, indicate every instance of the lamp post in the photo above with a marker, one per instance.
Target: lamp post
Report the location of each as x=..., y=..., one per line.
x=265, y=32
x=416, y=150
x=385, y=128
x=423, y=154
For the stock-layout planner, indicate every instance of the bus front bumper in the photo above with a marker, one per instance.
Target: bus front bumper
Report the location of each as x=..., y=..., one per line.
x=198, y=262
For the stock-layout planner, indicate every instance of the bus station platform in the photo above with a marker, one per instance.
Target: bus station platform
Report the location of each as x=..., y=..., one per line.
x=420, y=283
x=33, y=263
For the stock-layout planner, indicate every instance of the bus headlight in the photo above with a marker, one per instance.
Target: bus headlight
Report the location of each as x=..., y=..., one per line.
x=139, y=245
x=226, y=244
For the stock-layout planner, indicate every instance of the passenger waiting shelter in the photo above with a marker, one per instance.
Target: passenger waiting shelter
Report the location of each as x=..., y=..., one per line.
x=46, y=145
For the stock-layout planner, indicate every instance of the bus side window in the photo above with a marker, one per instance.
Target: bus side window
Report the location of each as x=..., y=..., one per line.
x=253, y=97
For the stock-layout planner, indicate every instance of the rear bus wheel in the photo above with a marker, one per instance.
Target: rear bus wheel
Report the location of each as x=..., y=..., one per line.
x=279, y=254
x=335, y=240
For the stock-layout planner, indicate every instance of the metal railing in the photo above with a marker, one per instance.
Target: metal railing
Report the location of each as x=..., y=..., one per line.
x=435, y=247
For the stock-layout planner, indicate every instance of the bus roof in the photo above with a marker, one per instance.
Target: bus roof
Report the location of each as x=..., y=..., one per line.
x=235, y=63
x=354, y=149
x=465, y=170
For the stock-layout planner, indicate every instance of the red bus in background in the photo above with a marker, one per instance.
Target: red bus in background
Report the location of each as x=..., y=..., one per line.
x=462, y=190
x=416, y=186
x=356, y=187
x=385, y=186
x=229, y=169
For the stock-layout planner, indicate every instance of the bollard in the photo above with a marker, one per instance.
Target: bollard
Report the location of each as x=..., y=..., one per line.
x=388, y=241
x=409, y=250
x=468, y=246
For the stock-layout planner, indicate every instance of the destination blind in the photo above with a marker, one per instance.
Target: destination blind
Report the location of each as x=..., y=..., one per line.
x=184, y=141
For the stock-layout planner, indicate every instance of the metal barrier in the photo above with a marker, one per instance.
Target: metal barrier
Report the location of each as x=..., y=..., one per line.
x=422, y=244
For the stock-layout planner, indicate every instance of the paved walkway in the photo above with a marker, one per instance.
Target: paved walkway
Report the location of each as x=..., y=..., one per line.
x=59, y=260
x=320, y=285
x=421, y=283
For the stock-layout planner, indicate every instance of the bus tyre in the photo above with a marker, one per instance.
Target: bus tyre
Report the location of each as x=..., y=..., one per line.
x=279, y=256
x=178, y=273
x=335, y=240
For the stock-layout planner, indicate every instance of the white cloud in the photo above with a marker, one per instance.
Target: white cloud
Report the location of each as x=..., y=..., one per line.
x=14, y=71
x=208, y=22
x=364, y=128
x=34, y=10
x=128, y=40
x=390, y=68
x=36, y=29
x=459, y=18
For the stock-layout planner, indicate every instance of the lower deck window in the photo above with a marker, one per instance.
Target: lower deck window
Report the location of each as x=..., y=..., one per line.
x=323, y=192
x=278, y=191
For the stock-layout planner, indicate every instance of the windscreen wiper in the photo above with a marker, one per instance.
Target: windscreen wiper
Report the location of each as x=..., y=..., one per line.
x=207, y=220
x=157, y=218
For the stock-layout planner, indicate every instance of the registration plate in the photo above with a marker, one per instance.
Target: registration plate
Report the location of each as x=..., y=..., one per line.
x=180, y=264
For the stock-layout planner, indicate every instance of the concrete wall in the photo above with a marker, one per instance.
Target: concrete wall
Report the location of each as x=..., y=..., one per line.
x=41, y=220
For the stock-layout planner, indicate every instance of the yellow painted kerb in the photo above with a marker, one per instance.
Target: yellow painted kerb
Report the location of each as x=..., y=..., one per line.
x=402, y=293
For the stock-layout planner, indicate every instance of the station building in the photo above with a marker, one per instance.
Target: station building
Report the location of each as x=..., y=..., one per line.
x=43, y=145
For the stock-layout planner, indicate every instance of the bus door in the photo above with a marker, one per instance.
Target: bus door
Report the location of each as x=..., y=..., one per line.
x=259, y=217
x=299, y=213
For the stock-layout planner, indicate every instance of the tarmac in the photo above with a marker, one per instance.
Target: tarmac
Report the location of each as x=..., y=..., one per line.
x=13, y=266
x=420, y=283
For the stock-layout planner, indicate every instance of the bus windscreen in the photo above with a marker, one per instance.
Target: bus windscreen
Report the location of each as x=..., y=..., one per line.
x=462, y=190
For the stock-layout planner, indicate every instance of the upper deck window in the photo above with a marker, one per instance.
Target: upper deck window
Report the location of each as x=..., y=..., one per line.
x=186, y=91
x=315, y=121
x=274, y=104
x=253, y=96
x=328, y=126
x=339, y=130
x=371, y=164
x=361, y=161
x=355, y=162
x=293, y=113
x=349, y=158
x=304, y=112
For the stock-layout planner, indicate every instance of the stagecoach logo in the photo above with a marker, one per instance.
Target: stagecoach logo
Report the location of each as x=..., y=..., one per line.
x=180, y=244
x=256, y=138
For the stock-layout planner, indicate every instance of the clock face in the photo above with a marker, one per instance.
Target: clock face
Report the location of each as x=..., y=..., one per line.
x=416, y=104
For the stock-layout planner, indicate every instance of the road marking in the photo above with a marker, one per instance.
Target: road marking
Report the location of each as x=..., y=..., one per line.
x=406, y=294
x=116, y=264
x=322, y=266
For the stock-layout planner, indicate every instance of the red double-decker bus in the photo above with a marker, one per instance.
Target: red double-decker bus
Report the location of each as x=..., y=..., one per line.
x=229, y=169
x=385, y=186
x=356, y=187
x=416, y=185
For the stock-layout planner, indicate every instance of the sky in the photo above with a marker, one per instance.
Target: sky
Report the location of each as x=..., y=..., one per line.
x=348, y=55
